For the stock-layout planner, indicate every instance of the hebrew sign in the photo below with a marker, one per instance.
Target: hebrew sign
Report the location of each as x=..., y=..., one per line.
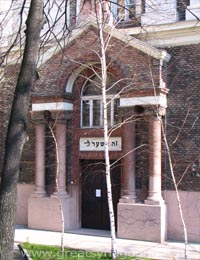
x=97, y=144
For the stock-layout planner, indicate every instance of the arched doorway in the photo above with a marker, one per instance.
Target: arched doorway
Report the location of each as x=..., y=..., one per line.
x=95, y=214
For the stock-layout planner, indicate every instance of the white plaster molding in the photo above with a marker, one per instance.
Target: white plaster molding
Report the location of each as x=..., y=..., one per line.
x=144, y=101
x=168, y=35
x=53, y=106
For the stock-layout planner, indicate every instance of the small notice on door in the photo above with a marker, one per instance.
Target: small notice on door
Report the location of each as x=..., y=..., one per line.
x=98, y=193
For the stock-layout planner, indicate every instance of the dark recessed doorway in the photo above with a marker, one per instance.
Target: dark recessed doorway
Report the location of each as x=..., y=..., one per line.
x=95, y=214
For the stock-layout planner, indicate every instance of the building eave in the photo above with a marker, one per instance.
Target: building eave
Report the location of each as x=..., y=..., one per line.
x=168, y=35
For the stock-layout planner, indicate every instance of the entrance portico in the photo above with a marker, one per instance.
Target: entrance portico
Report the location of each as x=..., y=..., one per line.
x=44, y=210
x=144, y=221
x=76, y=115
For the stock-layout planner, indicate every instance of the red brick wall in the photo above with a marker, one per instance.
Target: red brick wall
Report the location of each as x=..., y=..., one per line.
x=182, y=120
x=125, y=62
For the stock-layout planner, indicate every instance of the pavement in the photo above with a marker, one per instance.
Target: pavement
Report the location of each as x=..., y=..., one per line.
x=17, y=254
x=100, y=241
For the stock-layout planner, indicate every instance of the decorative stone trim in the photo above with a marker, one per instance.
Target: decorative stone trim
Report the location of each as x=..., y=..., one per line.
x=144, y=101
x=53, y=106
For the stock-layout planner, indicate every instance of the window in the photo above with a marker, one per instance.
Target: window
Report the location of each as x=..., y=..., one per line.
x=92, y=105
x=123, y=10
x=181, y=8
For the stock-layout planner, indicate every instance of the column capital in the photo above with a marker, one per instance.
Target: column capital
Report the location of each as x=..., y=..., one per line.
x=37, y=117
x=61, y=116
x=150, y=112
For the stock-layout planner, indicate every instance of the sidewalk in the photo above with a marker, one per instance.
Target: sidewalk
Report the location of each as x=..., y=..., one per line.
x=100, y=241
x=17, y=254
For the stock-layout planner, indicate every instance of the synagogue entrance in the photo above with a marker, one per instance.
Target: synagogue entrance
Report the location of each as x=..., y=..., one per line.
x=95, y=214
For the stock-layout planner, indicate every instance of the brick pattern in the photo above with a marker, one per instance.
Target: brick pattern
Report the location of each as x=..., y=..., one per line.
x=182, y=119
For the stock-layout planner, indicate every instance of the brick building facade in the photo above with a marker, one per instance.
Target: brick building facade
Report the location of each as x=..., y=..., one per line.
x=154, y=65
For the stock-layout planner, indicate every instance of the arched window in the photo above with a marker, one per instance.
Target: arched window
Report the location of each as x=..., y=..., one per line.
x=92, y=105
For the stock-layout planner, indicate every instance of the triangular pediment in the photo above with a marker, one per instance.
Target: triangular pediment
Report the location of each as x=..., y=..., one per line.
x=124, y=38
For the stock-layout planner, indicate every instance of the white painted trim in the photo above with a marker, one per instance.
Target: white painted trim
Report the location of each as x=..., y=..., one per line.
x=54, y=106
x=143, y=101
x=168, y=35
x=75, y=74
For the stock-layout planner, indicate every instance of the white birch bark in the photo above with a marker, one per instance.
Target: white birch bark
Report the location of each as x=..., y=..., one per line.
x=58, y=191
x=177, y=193
x=106, y=135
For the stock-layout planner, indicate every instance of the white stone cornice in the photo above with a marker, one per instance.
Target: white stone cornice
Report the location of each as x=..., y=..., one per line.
x=144, y=101
x=52, y=106
x=169, y=35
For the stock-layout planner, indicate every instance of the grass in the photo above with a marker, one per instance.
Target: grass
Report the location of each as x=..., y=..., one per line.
x=41, y=252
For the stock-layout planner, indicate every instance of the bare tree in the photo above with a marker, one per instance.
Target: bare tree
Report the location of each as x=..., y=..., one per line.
x=16, y=135
x=100, y=21
x=51, y=127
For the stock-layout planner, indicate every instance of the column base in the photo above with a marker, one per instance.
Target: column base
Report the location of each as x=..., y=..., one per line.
x=154, y=202
x=39, y=194
x=60, y=194
x=128, y=200
x=154, y=198
x=142, y=222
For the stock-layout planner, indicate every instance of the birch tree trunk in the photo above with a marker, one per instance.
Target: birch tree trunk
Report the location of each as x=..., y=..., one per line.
x=16, y=133
x=177, y=193
x=58, y=190
x=106, y=135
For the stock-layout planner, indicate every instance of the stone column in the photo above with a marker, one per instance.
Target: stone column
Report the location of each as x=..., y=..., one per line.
x=40, y=146
x=154, y=196
x=128, y=175
x=60, y=135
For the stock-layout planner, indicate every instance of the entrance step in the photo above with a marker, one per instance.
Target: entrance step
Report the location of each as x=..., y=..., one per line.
x=90, y=232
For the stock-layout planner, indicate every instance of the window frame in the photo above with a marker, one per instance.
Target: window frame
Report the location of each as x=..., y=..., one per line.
x=111, y=99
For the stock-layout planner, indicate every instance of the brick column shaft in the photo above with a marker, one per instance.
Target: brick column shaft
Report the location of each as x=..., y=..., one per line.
x=40, y=146
x=60, y=135
x=128, y=175
x=154, y=196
